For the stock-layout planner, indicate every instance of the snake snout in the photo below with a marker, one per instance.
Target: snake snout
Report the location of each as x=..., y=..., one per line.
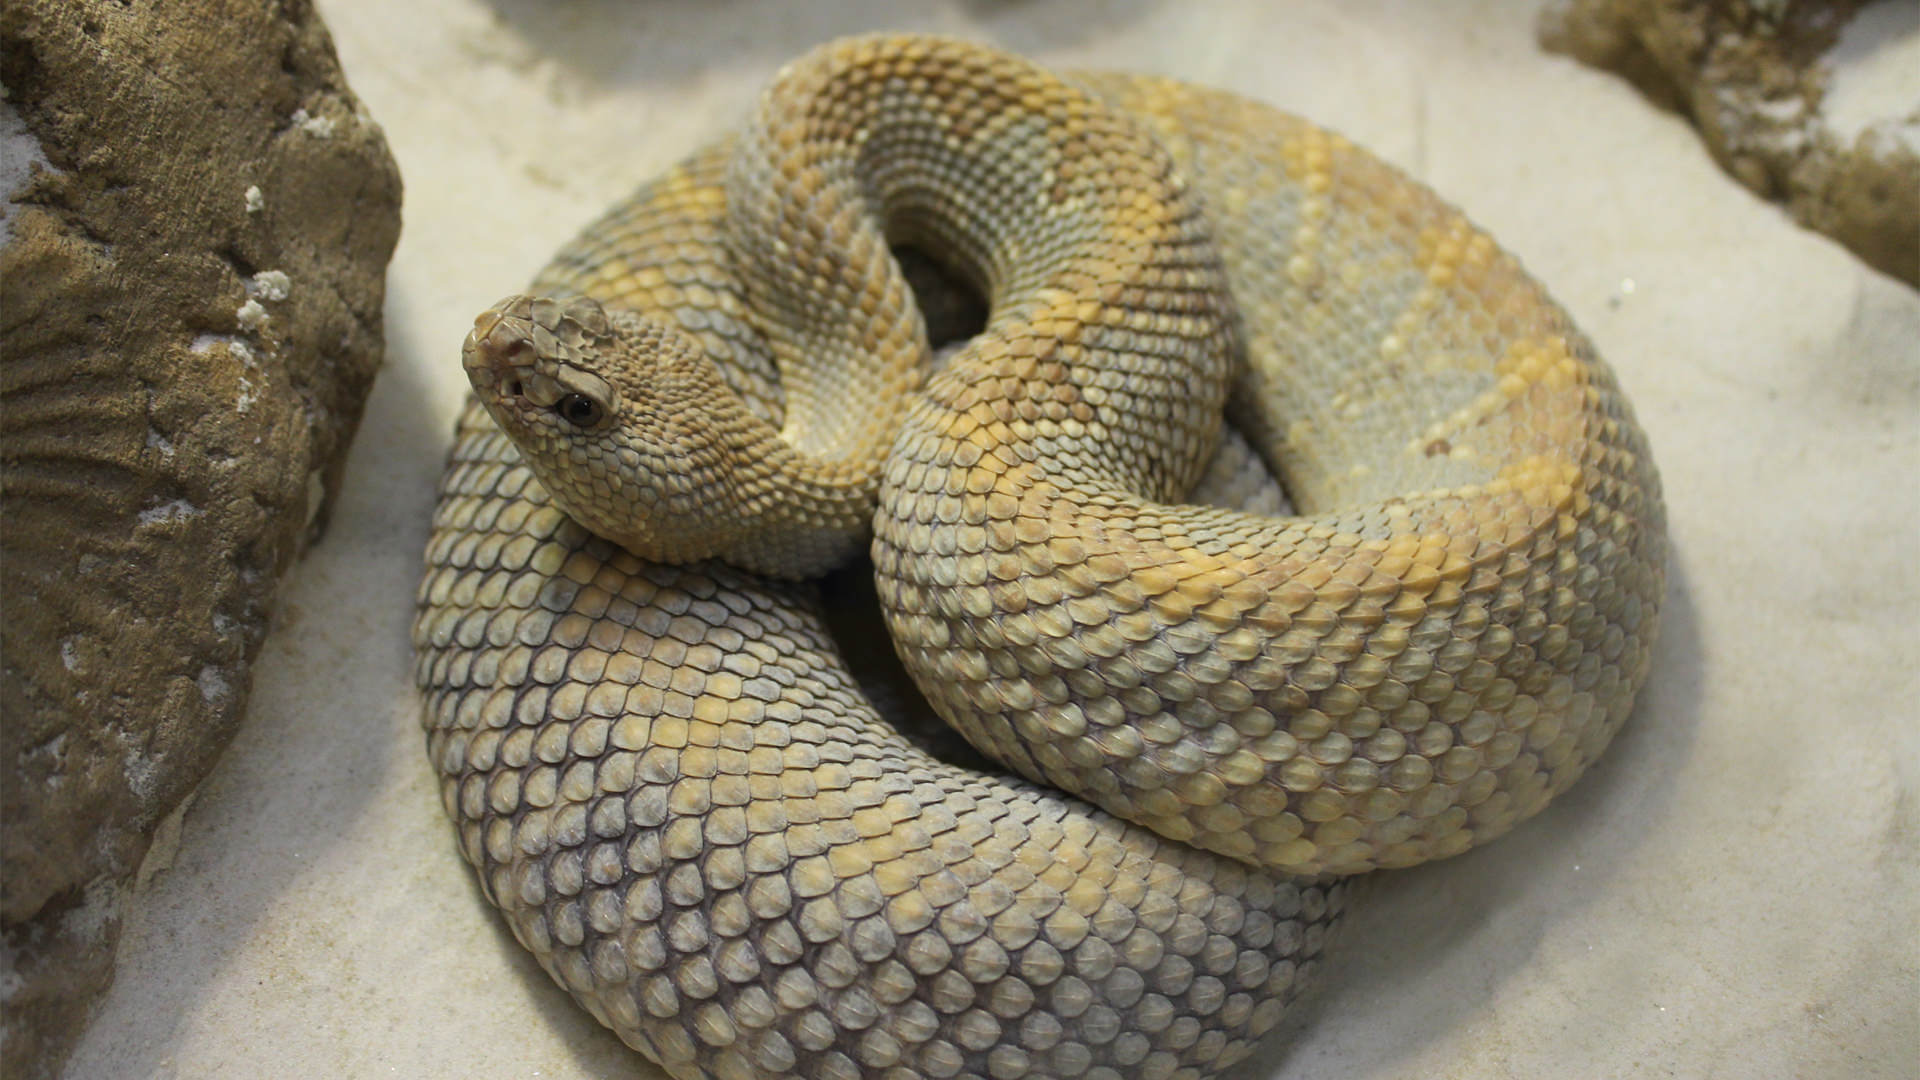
x=499, y=353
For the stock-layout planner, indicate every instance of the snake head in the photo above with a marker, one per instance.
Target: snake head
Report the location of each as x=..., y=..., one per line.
x=533, y=359
x=619, y=416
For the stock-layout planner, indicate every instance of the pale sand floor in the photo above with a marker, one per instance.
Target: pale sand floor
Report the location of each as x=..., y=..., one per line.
x=1730, y=893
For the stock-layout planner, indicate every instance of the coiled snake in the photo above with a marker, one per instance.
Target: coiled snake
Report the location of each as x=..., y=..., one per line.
x=664, y=773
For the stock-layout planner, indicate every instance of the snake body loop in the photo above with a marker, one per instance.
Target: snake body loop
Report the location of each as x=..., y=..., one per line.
x=680, y=798
x=1444, y=638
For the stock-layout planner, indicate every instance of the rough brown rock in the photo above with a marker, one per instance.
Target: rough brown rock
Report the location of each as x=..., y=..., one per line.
x=1752, y=74
x=191, y=300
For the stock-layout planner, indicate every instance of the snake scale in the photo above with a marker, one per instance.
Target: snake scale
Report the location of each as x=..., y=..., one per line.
x=678, y=794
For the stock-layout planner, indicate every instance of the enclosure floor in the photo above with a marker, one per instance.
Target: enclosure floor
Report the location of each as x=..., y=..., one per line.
x=1732, y=890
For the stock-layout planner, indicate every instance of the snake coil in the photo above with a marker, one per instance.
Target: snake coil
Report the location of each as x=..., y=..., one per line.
x=663, y=771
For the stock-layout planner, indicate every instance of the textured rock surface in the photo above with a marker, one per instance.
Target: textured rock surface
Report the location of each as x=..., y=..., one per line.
x=192, y=319
x=1759, y=79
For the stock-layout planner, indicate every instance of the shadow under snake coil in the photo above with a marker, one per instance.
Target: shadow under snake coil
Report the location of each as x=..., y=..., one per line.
x=661, y=767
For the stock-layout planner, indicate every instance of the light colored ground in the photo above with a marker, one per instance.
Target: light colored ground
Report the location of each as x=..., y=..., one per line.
x=1731, y=893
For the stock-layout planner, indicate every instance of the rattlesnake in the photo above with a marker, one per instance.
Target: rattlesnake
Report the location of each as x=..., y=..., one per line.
x=678, y=795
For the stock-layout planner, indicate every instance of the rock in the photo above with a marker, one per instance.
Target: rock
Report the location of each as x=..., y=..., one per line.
x=1772, y=87
x=190, y=295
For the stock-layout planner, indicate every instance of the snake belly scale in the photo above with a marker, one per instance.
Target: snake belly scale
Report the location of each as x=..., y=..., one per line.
x=674, y=790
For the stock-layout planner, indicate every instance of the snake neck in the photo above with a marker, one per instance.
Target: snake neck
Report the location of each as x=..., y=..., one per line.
x=787, y=512
x=635, y=433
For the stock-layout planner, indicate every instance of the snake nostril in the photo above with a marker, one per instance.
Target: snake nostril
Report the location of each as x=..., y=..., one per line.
x=509, y=355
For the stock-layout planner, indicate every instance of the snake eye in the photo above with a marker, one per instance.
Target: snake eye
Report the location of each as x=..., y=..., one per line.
x=579, y=410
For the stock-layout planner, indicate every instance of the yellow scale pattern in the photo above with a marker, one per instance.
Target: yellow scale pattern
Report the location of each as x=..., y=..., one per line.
x=684, y=804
